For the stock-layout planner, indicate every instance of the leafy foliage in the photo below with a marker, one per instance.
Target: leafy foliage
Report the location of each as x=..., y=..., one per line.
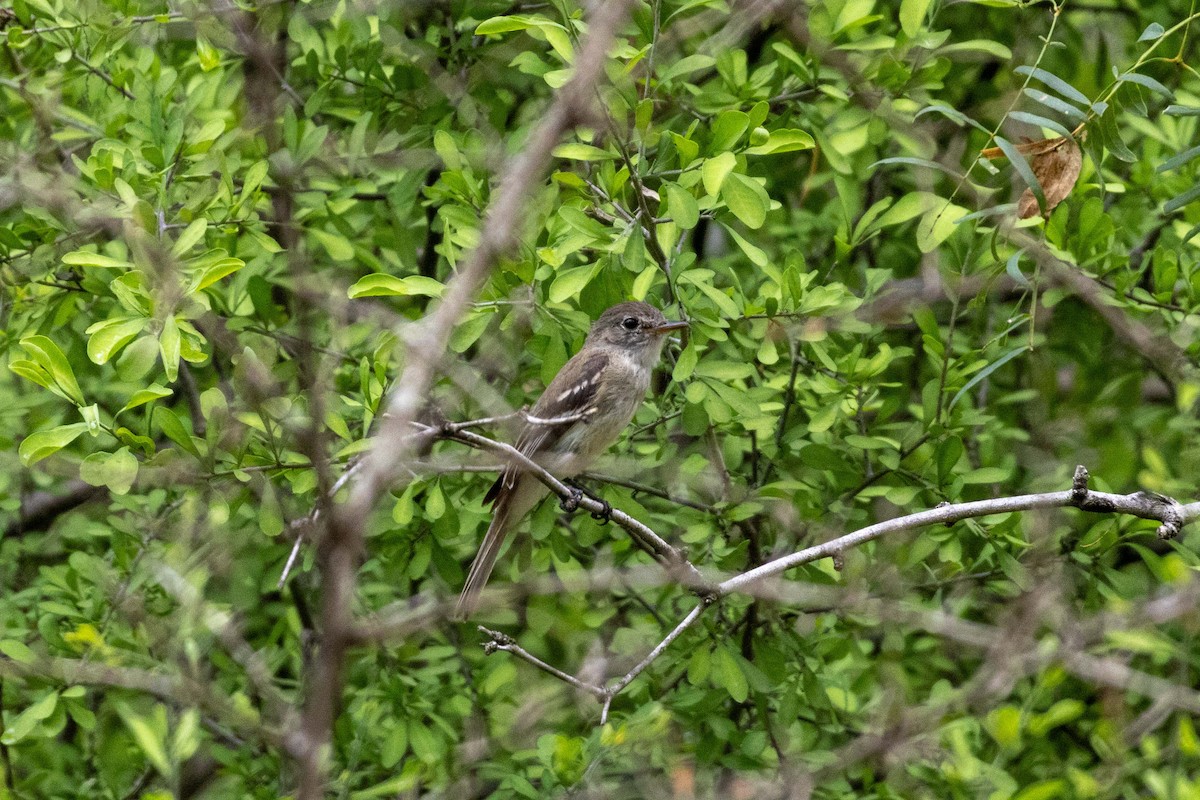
x=215, y=219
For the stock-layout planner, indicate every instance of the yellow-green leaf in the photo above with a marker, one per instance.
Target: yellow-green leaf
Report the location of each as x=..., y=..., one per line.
x=45, y=354
x=382, y=285
x=109, y=336
x=37, y=446
x=142, y=396
x=168, y=345
x=746, y=198
x=116, y=470
x=714, y=171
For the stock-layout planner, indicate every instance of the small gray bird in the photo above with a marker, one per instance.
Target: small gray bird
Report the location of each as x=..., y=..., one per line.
x=598, y=391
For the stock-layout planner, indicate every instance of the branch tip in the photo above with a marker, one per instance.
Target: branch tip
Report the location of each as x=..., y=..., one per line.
x=1079, y=485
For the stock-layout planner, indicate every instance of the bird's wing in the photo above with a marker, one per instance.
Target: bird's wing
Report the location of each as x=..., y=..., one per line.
x=572, y=392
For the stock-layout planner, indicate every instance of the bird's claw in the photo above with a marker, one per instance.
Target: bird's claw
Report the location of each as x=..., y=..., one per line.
x=571, y=504
x=604, y=515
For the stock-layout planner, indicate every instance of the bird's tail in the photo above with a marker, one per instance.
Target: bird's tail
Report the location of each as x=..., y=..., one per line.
x=485, y=561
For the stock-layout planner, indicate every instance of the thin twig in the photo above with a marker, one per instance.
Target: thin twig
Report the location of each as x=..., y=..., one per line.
x=1169, y=512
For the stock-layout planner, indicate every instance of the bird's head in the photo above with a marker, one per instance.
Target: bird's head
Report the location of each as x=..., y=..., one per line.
x=639, y=328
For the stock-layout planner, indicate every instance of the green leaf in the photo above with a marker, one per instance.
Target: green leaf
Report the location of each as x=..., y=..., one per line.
x=728, y=673
x=577, y=151
x=938, y=223
x=746, y=198
x=151, y=740
x=142, y=396
x=686, y=66
x=1052, y=102
x=722, y=301
x=31, y=371
x=568, y=283
x=1054, y=82
x=1013, y=268
x=116, y=470
x=682, y=207
x=337, y=246
x=37, y=446
x=714, y=171
x=252, y=179
x=214, y=272
x=785, y=140
x=1179, y=201
x=986, y=371
x=758, y=257
x=382, y=285
x=727, y=128
x=1021, y=165
x=912, y=16
x=27, y=720
x=107, y=338
x=85, y=258
x=208, y=56
x=17, y=651
x=1152, y=31
x=501, y=25
x=1148, y=82
x=988, y=46
x=191, y=235
x=173, y=429
x=1178, y=161
x=91, y=416
x=168, y=346
x=1040, y=121
x=45, y=353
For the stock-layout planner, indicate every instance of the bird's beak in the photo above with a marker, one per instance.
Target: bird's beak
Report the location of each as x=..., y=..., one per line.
x=667, y=327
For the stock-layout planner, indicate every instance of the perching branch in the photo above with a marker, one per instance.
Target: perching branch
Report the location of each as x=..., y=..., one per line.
x=666, y=553
x=1172, y=514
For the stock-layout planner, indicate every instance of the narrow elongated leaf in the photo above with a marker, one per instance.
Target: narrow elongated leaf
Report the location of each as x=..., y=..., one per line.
x=918, y=162
x=84, y=258
x=985, y=372
x=1178, y=161
x=1148, y=82
x=173, y=429
x=1017, y=159
x=954, y=115
x=1013, y=268
x=1182, y=200
x=578, y=151
x=1056, y=168
x=1054, y=82
x=382, y=285
x=1052, y=102
x=192, y=234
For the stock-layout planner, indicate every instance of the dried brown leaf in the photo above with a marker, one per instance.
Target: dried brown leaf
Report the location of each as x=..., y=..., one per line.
x=1056, y=164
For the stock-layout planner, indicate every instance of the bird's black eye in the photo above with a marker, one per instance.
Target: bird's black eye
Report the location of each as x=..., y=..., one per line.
x=629, y=323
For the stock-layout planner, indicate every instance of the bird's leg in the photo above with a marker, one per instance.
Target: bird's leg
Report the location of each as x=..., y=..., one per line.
x=602, y=516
